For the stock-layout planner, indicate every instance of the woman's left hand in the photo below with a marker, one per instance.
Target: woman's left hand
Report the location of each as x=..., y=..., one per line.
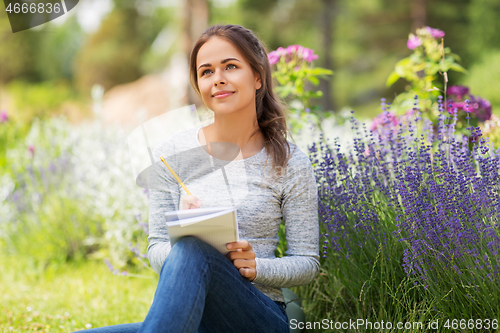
x=243, y=258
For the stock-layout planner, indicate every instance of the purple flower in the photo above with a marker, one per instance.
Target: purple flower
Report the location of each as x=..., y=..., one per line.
x=4, y=116
x=31, y=148
x=413, y=42
x=459, y=91
x=110, y=266
x=436, y=33
x=480, y=107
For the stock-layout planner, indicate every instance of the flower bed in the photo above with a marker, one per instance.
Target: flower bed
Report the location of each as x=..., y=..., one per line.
x=410, y=224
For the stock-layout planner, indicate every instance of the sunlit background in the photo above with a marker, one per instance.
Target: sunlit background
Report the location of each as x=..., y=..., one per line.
x=145, y=44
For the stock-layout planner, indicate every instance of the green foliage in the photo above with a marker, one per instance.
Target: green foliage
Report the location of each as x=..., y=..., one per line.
x=295, y=74
x=482, y=77
x=10, y=132
x=68, y=297
x=55, y=231
x=37, y=55
x=483, y=27
x=45, y=222
x=292, y=82
x=60, y=45
x=328, y=298
x=40, y=100
x=66, y=198
x=17, y=54
x=423, y=70
x=281, y=247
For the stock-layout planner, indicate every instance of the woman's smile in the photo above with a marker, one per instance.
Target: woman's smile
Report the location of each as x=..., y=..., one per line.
x=222, y=94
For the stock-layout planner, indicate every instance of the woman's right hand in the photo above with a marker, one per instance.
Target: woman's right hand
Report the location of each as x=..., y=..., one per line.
x=190, y=202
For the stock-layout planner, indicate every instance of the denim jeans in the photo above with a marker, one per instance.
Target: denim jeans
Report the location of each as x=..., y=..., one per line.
x=200, y=290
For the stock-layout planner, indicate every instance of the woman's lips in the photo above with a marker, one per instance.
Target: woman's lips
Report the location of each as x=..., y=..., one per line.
x=222, y=94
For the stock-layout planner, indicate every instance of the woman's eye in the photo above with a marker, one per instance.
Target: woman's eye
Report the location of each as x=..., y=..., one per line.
x=231, y=66
x=205, y=72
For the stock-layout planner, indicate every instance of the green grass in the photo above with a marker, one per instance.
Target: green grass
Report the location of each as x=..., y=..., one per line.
x=67, y=297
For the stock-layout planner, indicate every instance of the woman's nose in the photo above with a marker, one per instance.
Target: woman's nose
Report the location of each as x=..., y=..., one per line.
x=219, y=79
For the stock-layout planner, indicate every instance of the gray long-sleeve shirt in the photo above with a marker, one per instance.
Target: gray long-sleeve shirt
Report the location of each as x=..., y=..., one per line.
x=261, y=204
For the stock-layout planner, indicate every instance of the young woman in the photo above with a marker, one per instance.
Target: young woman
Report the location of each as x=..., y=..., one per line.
x=200, y=289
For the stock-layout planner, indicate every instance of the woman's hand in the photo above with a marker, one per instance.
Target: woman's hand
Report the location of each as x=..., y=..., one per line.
x=190, y=202
x=243, y=258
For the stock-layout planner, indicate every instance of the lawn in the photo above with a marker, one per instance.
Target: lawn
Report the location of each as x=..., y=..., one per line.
x=69, y=297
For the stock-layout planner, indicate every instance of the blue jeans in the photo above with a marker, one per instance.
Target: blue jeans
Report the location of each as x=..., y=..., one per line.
x=200, y=290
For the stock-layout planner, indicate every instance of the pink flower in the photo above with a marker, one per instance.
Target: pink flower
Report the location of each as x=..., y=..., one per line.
x=293, y=49
x=290, y=52
x=4, y=116
x=384, y=119
x=413, y=42
x=436, y=33
x=458, y=106
x=281, y=51
x=308, y=55
x=31, y=148
x=273, y=57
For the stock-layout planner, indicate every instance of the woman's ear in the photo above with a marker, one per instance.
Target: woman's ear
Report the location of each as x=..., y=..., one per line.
x=258, y=81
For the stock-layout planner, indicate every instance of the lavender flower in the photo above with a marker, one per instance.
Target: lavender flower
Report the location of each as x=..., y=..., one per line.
x=425, y=182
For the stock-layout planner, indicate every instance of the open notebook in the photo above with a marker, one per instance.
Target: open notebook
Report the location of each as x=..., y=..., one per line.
x=216, y=226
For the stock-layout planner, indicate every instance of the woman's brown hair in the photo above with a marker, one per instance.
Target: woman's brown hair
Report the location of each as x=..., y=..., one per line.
x=270, y=112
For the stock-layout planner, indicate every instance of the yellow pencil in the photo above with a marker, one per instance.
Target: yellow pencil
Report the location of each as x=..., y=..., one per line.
x=176, y=177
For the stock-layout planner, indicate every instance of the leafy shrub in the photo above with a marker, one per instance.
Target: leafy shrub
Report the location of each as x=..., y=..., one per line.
x=69, y=193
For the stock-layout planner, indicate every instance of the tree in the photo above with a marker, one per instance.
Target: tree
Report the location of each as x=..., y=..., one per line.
x=113, y=54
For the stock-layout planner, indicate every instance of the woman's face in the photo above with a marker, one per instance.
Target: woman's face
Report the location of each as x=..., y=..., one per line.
x=226, y=80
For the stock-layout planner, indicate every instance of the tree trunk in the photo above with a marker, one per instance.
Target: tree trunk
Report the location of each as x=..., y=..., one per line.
x=195, y=13
x=327, y=26
x=418, y=14
x=186, y=45
x=199, y=17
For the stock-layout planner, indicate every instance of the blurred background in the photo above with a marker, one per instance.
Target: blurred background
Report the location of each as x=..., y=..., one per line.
x=71, y=90
x=137, y=50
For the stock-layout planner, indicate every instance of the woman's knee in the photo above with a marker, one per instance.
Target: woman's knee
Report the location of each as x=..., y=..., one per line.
x=188, y=253
x=188, y=243
x=191, y=244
